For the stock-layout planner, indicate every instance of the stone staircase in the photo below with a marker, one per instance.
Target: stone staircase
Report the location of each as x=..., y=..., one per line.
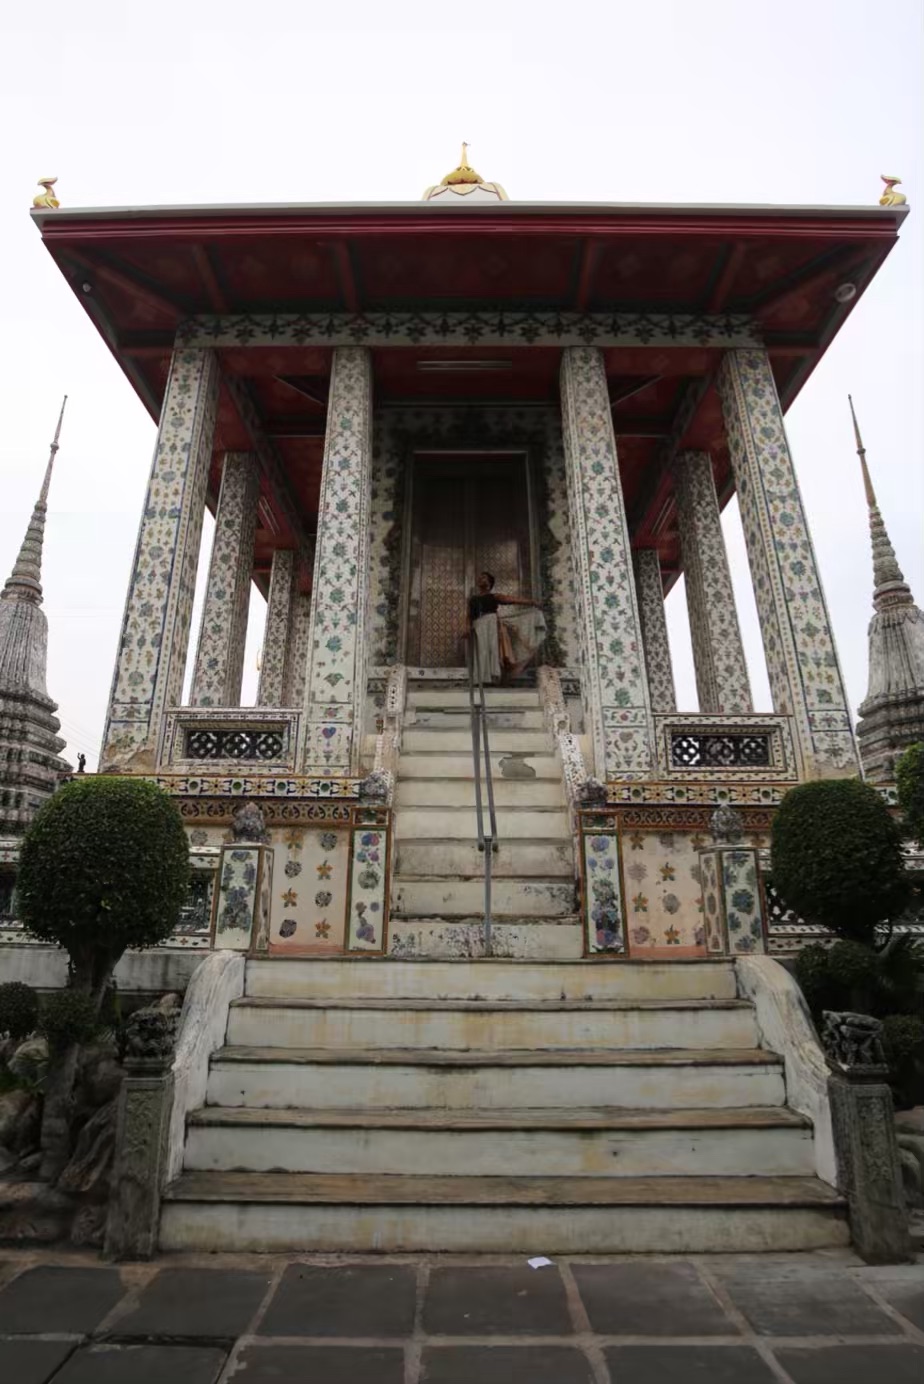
x=496, y=1106
x=438, y=885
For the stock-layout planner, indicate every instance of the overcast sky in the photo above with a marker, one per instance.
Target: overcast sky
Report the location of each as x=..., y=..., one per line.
x=799, y=101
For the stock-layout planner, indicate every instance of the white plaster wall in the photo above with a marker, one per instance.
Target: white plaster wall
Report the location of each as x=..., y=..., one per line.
x=145, y=971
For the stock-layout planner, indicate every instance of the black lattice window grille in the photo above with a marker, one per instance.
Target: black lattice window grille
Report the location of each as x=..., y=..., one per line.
x=196, y=913
x=241, y=743
x=692, y=749
x=778, y=910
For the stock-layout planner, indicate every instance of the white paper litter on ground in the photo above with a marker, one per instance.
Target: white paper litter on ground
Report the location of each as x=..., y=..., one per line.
x=540, y=1262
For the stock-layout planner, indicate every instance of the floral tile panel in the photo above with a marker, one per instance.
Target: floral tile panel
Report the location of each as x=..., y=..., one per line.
x=742, y=901
x=603, y=907
x=238, y=884
x=368, y=883
x=663, y=890
x=310, y=892
x=712, y=903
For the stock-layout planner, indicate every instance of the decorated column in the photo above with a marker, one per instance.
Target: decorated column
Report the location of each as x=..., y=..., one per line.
x=649, y=589
x=271, y=689
x=222, y=635
x=335, y=675
x=805, y=676
x=718, y=653
x=614, y=685
x=151, y=660
x=297, y=659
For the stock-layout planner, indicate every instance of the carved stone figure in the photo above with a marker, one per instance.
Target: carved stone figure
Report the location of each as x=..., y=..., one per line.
x=375, y=787
x=727, y=826
x=592, y=793
x=248, y=824
x=150, y=1035
x=853, y=1040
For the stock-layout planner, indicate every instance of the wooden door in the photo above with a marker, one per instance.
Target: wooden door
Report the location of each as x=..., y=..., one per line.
x=470, y=514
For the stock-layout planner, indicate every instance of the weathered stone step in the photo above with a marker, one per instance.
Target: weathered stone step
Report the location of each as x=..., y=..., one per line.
x=496, y=698
x=463, y=898
x=459, y=823
x=436, y=739
x=348, y=978
x=525, y=766
x=459, y=792
x=489, y=1027
x=762, y=1142
x=272, y=1212
x=385, y=1078
x=463, y=860
x=459, y=718
x=546, y=940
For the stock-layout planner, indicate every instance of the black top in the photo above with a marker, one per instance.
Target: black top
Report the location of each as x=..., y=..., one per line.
x=482, y=605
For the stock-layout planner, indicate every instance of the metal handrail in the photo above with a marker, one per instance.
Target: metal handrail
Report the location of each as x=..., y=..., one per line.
x=487, y=840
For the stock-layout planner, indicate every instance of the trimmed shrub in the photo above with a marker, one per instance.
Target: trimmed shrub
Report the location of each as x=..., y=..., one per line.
x=104, y=867
x=909, y=776
x=18, y=1010
x=812, y=970
x=903, y=1040
x=837, y=857
x=68, y=1017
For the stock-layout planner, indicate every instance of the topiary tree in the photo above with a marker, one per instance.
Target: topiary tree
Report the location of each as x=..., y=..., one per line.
x=836, y=857
x=909, y=776
x=104, y=867
x=18, y=1010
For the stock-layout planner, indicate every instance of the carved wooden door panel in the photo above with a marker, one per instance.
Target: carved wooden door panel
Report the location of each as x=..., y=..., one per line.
x=470, y=514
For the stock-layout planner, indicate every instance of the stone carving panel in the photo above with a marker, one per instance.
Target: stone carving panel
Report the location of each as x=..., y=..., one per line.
x=718, y=653
x=802, y=663
x=151, y=660
x=616, y=692
x=649, y=588
x=220, y=654
x=335, y=680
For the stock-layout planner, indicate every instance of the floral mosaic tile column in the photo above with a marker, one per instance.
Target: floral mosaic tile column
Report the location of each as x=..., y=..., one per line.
x=733, y=917
x=614, y=685
x=151, y=660
x=222, y=635
x=649, y=589
x=718, y=654
x=297, y=657
x=271, y=688
x=805, y=676
x=335, y=677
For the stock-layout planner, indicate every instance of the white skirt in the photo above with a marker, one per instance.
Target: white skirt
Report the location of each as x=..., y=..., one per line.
x=526, y=628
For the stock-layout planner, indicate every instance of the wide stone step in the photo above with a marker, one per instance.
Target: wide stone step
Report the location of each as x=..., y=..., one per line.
x=277, y=1212
x=459, y=823
x=512, y=766
x=347, y=978
x=569, y=1143
x=459, y=718
x=461, y=859
x=463, y=898
x=546, y=940
x=459, y=792
x=492, y=1026
x=496, y=698
x=385, y=1078
x=440, y=740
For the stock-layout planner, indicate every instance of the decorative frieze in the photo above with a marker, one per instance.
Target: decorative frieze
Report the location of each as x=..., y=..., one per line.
x=151, y=660
x=271, y=689
x=649, y=588
x=220, y=655
x=614, y=685
x=489, y=328
x=802, y=663
x=722, y=682
x=335, y=683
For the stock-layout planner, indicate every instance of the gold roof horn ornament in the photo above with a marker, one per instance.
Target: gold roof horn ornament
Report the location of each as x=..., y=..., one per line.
x=463, y=174
x=463, y=181
x=47, y=201
x=891, y=198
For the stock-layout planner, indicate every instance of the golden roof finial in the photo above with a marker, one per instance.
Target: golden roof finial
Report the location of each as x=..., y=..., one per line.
x=464, y=173
x=46, y=200
x=891, y=198
x=861, y=453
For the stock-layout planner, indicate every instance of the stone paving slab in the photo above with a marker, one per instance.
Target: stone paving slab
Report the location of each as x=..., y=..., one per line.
x=650, y=1299
x=310, y=1364
x=487, y=1301
x=506, y=1365
x=689, y=1364
x=805, y=1303
x=53, y=1298
x=906, y=1296
x=30, y=1361
x=854, y=1364
x=149, y=1364
x=186, y=1304
x=351, y=1300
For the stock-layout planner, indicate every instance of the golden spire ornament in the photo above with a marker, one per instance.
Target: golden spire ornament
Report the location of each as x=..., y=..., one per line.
x=46, y=201
x=463, y=182
x=464, y=173
x=891, y=198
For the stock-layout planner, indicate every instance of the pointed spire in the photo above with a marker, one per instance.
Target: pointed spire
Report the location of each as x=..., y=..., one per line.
x=25, y=580
x=889, y=586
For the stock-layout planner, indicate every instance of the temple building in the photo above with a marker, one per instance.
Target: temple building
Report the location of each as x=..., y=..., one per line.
x=31, y=766
x=386, y=406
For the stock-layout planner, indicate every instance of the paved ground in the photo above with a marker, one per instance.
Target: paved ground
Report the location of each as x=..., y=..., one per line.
x=807, y=1319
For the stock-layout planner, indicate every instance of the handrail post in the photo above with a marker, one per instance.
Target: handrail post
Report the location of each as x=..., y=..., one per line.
x=487, y=841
